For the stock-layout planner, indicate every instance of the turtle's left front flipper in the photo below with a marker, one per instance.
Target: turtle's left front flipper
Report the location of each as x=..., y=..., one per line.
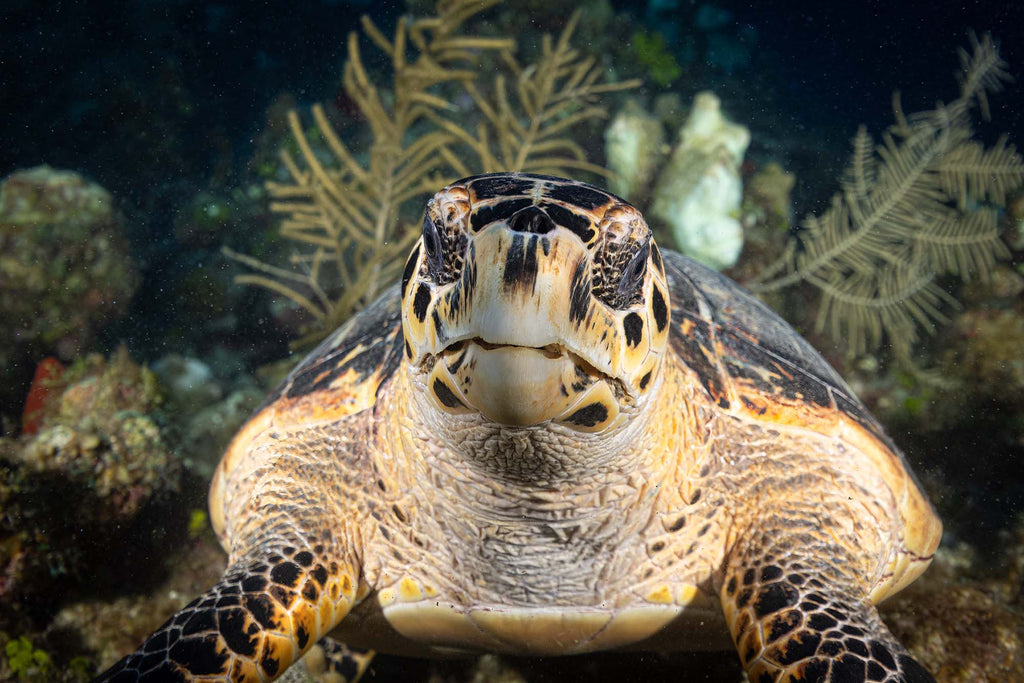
x=798, y=612
x=260, y=618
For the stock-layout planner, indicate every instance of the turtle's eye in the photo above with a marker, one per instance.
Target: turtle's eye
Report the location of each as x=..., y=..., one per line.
x=432, y=246
x=633, y=274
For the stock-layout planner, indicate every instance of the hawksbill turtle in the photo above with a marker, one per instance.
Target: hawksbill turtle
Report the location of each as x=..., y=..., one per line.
x=552, y=437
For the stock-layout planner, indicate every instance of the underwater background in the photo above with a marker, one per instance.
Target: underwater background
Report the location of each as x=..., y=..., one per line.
x=156, y=280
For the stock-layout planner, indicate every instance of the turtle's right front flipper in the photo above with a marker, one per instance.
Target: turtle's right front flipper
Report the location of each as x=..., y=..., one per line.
x=259, y=619
x=798, y=610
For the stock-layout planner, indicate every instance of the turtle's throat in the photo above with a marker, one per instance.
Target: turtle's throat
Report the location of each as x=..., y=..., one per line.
x=521, y=386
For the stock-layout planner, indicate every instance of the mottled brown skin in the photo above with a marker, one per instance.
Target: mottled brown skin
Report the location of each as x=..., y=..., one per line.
x=697, y=464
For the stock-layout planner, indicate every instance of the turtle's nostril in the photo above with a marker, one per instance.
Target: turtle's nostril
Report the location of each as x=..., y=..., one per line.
x=531, y=219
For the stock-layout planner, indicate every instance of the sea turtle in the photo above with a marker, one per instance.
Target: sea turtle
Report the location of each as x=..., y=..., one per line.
x=553, y=438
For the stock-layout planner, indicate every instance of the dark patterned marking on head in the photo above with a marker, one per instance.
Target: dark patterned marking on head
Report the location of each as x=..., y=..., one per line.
x=309, y=592
x=531, y=220
x=305, y=558
x=659, y=309
x=410, y=266
x=730, y=588
x=657, y=546
x=748, y=577
x=454, y=301
x=232, y=628
x=633, y=326
x=501, y=211
x=521, y=264
x=286, y=574
x=580, y=225
x=420, y=303
x=445, y=395
x=301, y=637
x=581, y=196
x=545, y=244
x=678, y=524
x=696, y=497
x=770, y=573
x=656, y=257
x=645, y=380
x=589, y=415
x=201, y=655
x=703, y=530
x=438, y=324
x=500, y=186
x=579, y=295
x=459, y=359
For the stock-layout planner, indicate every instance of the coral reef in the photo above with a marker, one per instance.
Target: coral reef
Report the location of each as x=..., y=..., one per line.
x=65, y=269
x=109, y=628
x=634, y=145
x=960, y=633
x=962, y=619
x=766, y=216
x=97, y=468
x=923, y=203
x=698, y=192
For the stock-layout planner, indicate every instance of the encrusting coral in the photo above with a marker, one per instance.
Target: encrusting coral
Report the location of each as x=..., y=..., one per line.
x=355, y=218
x=698, y=193
x=65, y=269
x=922, y=203
x=95, y=466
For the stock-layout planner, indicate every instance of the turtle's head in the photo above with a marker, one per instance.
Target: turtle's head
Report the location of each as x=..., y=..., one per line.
x=530, y=298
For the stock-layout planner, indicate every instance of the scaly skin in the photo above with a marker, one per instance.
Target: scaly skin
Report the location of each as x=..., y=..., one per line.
x=255, y=623
x=798, y=611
